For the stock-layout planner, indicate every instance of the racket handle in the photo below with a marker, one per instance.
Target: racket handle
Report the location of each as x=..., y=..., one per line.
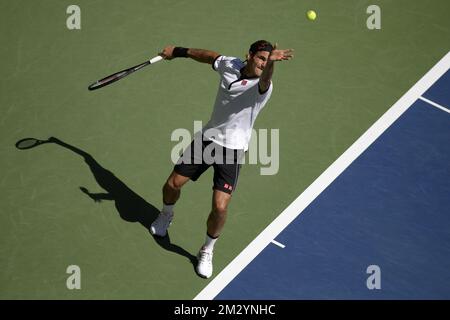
x=155, y=59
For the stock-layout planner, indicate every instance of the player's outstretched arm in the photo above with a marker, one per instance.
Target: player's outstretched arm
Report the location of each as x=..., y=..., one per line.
x=275, y=55
x=200, y=55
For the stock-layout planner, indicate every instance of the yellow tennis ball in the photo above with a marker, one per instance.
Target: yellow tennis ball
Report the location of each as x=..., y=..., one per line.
x=311, y=14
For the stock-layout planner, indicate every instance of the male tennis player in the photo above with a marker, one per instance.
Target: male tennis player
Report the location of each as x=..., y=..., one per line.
x=244, y=89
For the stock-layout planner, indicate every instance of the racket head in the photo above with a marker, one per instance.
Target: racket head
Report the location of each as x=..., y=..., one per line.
x=116, y=76
x=121, y=74
x=109, y=79
x=29, y=143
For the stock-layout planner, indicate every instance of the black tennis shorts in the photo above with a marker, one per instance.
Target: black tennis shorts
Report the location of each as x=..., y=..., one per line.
x=203, y=153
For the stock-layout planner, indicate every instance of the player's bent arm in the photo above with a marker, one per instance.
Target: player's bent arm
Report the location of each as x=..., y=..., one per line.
x=266, y=77
x=200, y=55
x=275, y=55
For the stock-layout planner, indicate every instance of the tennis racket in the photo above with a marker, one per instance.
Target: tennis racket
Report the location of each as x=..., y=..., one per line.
x=122, y=74
x=29, y=143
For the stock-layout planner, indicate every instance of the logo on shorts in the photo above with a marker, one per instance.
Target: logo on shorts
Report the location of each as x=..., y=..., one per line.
x=228, y=187
x=244, y=82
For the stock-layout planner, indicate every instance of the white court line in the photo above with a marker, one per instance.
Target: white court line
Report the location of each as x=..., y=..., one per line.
x=323, y=181
x=434, y=104
x=278, y=244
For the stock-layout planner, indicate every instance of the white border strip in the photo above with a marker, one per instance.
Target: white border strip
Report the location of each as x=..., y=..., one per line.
x=434, y=104
x=323, y=181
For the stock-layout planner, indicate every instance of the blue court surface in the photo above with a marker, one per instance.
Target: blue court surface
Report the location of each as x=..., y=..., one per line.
x=389, y=208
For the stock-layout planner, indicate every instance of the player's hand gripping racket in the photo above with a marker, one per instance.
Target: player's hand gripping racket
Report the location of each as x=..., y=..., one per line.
x=122, y=74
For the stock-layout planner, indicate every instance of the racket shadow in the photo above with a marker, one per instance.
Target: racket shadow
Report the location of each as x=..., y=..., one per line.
x=130, y=206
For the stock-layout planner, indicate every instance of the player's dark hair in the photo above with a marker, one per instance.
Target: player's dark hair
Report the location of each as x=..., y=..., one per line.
x=260, y=45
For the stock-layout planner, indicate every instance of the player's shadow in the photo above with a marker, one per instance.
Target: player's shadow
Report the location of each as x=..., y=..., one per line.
x=130, y=205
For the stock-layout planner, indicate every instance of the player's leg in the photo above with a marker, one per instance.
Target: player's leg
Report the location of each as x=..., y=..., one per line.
x=171, y=193
x=225, y=181
x=172, y=188
x=218, y=215
x=215, y=223
x=189, y=167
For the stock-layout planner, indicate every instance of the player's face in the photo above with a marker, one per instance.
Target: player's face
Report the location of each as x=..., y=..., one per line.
x=257, y=62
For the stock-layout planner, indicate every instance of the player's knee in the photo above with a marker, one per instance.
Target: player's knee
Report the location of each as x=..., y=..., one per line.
x=173, y=184
x=220, y=209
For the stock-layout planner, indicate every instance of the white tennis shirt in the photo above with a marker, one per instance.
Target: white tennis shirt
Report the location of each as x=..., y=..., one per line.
x=238, y=103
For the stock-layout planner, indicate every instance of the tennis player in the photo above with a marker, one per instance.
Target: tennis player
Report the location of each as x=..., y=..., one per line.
x=244, y=89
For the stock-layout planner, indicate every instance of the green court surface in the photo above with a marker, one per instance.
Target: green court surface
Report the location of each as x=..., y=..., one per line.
x=342, y=79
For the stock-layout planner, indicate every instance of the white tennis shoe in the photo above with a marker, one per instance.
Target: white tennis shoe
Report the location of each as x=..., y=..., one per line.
x=204, y=266
x=161, y=224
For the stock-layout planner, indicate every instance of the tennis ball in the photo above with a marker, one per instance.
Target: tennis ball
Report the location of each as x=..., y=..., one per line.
x=311, y=14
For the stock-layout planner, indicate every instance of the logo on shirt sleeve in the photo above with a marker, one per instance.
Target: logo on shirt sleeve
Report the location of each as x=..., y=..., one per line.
x=244, y=82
